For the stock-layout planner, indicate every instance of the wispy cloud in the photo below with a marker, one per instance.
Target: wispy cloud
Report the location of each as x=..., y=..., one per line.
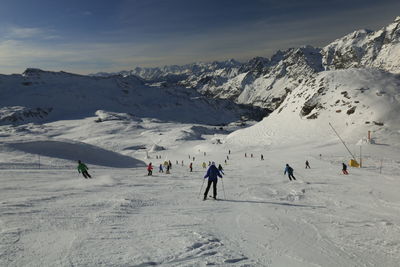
x=18, y=32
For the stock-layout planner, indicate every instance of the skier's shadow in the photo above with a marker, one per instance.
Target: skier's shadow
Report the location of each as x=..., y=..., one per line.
x=273, y=203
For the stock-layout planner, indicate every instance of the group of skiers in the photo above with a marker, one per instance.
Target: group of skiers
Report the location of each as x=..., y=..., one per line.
x=212, y=173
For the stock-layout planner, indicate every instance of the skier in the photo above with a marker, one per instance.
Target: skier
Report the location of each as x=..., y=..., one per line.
x=251, y=155
x=194, y=158
x=289, y=170
x=204, y=165
x=204, y=153
x=177, y=162
x=262, y=157
x=229, y=152
x=160, y=169
x=209, y=163
x=307, y=165
x=191, y=166
x=225, y=162
x=245, y=155
x=212, y=175
x=182, y=162
x=150, y=169
x=82, y=168
x=168, y=168
x=169, y=164
x=227, y=157
x=344, y=169
x=221, y=169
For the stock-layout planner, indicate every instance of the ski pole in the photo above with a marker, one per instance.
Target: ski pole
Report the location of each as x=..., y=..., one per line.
x=223, y=188
x=201, y=187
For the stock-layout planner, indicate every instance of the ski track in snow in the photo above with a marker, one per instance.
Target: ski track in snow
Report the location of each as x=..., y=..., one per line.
x=122, y=217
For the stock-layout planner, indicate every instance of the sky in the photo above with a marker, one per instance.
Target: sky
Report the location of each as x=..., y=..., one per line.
x=88, y=36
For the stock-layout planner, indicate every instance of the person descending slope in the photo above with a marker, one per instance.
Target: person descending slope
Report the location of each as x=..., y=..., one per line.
x=289, y=170
x=191, y=166
x=160, y=169
x=204, y=165
x=149, y=169
x=212, y=175
x=221, y=169
x=82, y=168
x=307, y=165
x=344, y=169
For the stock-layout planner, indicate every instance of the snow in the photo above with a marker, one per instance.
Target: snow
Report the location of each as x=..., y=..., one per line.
x=122, y=217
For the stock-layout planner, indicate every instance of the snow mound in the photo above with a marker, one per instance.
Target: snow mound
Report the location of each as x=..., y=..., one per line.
x=156, y=148
x=77, y=151
x=114, y=116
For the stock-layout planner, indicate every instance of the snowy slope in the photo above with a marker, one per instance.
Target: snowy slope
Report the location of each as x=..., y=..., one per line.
x=355, y=101
x=53, y=217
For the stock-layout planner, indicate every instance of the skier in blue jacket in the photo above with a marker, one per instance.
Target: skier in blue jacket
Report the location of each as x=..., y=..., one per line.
x=289, y=170
x=212, y=175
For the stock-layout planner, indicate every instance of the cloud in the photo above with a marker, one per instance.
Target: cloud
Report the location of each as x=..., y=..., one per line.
x=18, y=32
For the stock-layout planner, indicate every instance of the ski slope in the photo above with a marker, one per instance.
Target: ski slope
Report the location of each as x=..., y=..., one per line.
x=53, y=217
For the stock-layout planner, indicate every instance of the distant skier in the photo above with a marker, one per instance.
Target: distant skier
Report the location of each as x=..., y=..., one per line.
x=245, y=155
x=204, y=153
x=289, y=170
x=221, y=169
x=212, y=175
x=182, y=162
x=191, y=166
x=194, y=158
x=225, y=162
x=307, y=165
x=229, y=152
x=344, y=169
x=177, y=162
x=169, y=164
x=204, y=165
x=168, y=168
x=251, y=155
x=160, y=169
x=262, y=157
x=82, y=168
x=227, y=157
x=149, y=169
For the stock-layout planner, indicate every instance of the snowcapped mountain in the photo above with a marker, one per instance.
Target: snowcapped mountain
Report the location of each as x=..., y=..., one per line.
x=266, y=82
x=355, y=101
x=366, y=48
x=37, y=96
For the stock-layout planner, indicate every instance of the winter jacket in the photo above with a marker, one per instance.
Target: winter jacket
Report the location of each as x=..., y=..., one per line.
x=82, y=167
x=150, y=167
x=288, y=170
x=213, y=173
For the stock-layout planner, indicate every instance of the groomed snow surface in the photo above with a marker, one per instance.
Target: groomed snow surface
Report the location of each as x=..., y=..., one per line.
x=53, y=217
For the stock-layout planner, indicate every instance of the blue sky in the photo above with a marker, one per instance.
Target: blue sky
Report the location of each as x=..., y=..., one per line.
x=88, y=36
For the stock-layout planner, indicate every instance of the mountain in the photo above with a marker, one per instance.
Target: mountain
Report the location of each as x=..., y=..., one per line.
x=366, y=48
x=354, y=101
x=265, y=83
x=38, y=96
